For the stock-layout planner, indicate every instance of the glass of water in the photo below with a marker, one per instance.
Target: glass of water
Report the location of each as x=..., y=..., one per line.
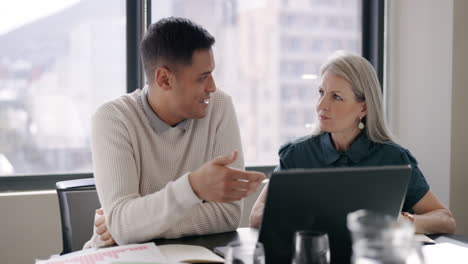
x=380, y=238
x=311, y=247
x=245, y=253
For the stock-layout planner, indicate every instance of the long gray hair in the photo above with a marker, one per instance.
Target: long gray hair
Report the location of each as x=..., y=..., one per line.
x=366, y=87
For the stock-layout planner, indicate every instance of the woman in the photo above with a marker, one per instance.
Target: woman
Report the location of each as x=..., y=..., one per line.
x=353, y=132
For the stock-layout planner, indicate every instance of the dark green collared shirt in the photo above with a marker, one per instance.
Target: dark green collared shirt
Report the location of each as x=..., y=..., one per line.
x=319, y=152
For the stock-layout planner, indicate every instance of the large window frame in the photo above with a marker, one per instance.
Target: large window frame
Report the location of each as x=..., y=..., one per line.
x=138, y=17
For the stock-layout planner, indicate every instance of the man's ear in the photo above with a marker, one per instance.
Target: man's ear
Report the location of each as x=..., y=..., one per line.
x=164, y=78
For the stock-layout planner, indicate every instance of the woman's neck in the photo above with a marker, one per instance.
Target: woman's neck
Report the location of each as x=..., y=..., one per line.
x=343, y=140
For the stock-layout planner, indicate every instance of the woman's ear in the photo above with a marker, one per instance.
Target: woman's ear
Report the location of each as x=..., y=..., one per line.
x=363, y=109
x=163, y=77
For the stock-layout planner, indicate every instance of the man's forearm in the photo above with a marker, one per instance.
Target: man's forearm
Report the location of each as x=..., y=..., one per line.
x=133, y=219
x=207, y=218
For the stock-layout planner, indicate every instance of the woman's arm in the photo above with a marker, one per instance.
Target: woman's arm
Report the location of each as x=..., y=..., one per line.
x=256, y=214
x=431, y=216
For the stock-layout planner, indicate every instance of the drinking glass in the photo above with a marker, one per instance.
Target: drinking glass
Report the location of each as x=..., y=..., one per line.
x=311, y=247
x=381, y=239
x=245, y=253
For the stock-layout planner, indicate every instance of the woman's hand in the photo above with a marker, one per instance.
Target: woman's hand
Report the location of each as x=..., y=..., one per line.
x=256, y=215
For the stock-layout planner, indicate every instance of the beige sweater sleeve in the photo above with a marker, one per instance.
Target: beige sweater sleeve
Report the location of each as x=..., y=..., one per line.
x=171, y=212
x=130, y=217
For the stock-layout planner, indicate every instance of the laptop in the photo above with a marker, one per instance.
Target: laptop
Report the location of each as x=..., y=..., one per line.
x=320, y=199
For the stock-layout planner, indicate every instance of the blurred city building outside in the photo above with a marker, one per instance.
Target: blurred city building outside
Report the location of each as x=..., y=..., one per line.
x=55, y=71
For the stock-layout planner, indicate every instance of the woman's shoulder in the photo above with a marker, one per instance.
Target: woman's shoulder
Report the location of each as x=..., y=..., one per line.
x=297, y=144
x=396, y=150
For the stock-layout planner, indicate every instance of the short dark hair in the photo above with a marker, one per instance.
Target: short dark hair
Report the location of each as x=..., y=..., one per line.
x=172, y=41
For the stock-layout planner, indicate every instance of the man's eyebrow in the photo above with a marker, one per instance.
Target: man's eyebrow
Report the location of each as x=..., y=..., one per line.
x=204, y=73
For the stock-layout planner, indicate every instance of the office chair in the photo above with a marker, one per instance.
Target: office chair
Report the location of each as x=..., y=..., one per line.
x=78, y=201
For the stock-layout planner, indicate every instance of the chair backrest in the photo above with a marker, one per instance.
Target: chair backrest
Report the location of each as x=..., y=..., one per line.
x=78, y=201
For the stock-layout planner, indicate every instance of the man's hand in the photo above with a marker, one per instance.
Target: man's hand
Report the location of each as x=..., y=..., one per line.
x=216, y=182
x=101, y=229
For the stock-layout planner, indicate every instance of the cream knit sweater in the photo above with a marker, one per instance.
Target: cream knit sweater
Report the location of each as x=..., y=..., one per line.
x=142, y=169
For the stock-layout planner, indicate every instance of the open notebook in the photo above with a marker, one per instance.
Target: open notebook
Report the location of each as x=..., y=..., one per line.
x=178, y=253
x=189, y=254
x=147, y=253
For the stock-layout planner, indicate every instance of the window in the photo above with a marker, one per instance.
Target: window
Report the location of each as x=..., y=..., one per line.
x=291, y=44
x=59, y=60
x=270, y=46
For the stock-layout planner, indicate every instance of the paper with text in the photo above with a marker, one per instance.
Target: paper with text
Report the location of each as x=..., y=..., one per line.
x=147, y=252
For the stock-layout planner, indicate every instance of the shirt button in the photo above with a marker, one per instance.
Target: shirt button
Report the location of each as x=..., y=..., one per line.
x=343, y=162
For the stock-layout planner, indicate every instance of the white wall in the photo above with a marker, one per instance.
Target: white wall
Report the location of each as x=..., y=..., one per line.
x=426, y=92
x=419, y=84
x=459, y=173
x=29, y=226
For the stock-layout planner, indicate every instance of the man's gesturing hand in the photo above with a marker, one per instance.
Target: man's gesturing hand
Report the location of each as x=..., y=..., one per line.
x=216, y=182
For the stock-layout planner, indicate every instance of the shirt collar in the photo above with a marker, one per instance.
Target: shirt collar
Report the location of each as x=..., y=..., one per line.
x=357, y=151
x=157, y=124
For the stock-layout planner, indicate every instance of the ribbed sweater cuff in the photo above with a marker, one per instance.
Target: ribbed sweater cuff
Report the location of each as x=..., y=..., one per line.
x=186, y=197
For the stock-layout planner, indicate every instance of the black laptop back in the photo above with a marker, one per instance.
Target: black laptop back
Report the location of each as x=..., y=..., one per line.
x=320, y=199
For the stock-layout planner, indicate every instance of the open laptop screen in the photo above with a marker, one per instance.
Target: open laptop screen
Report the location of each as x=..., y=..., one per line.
x=320, y=199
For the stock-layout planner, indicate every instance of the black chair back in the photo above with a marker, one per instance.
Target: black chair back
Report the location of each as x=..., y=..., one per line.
x=78, y=201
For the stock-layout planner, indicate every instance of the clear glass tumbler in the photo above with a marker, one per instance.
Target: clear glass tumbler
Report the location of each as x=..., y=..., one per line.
x=311, y=247
x=381, y=239
x=245, y=253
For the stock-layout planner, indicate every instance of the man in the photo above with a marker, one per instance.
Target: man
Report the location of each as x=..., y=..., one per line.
x=168, y=158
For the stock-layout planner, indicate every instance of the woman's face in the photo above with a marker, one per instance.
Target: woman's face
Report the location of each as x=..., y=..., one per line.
x=337, y=108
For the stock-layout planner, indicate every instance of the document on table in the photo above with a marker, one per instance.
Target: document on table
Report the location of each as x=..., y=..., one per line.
x=147, y=252
x=189, y=254
x=177, y=253
x=445, y=253
x=424, y=239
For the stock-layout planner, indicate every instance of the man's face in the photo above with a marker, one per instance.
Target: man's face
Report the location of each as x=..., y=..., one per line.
x=193, y=84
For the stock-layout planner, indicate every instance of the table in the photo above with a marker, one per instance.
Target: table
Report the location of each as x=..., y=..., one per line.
x=215, y=240
x=251, y=234
x=453, y=239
